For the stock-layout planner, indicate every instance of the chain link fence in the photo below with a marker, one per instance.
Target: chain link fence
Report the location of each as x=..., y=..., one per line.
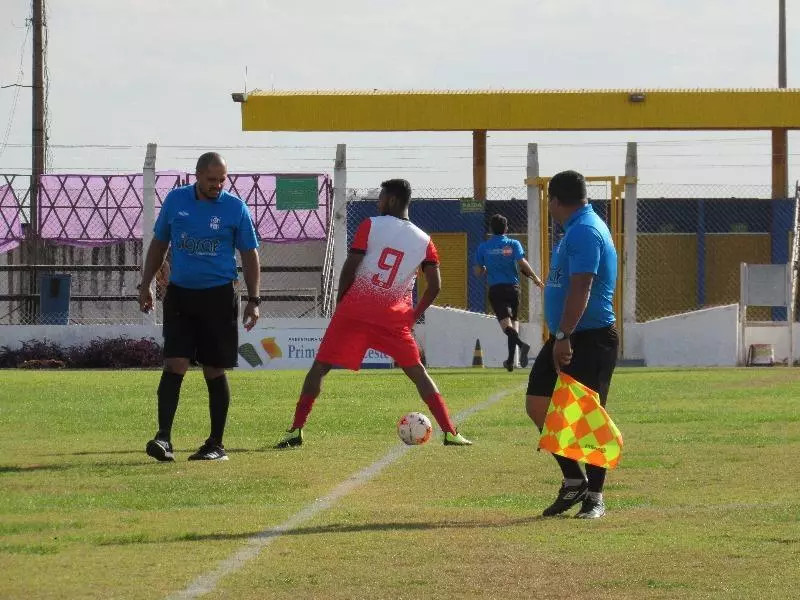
x=690, y=242
x=457, y=225
x=689, y=248
x=85, y=265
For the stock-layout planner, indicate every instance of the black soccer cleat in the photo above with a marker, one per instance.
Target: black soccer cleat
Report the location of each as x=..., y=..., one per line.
x=210, y=450
x=592, y=508
x=508, y=365
x=523, y=355
x=292, y=439
x=568, y=496
x=161, y=450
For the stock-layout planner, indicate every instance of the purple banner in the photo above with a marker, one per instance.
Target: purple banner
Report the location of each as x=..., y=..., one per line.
x=10, y=219
x=97, y=210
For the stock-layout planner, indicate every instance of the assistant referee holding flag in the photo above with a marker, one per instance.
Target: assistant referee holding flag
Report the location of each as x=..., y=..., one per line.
x=579, y=309
x=205, y=225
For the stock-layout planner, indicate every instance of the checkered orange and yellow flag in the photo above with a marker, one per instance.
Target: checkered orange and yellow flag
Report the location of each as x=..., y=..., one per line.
x=577, y=427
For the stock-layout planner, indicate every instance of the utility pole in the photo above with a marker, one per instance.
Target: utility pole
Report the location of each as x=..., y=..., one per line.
x=780, y=137
x=38, y=148
x=38, y=141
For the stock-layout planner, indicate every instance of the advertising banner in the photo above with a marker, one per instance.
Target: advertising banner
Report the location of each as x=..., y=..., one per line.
x=291, y=348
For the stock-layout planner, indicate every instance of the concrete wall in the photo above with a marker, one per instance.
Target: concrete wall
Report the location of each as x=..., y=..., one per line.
x=707, y=337
x=123, y=283
x=703, y=338
x=450, y=336
x=68, y=335
x=284, y=332
x=106, y=283
x=633, y=340
x=778, y=336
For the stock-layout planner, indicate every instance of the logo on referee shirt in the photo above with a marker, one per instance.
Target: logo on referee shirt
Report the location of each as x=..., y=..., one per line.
x=507, y=251
x=199, y=247
x=214, y=224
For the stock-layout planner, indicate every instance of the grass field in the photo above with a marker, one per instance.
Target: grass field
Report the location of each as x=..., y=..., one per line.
x=704, y=504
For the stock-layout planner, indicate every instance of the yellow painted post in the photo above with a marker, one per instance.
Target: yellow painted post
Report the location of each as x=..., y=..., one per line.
x=544, y=240
x=617, y=212
x=616, y=185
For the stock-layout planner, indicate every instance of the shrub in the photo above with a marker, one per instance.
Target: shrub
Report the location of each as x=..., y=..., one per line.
x=114, y=353
x=31, y=350
x=42, y=364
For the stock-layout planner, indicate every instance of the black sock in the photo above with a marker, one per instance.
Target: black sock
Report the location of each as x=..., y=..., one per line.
x=169, y=389
x=597, y=477
x=513, y=336
x=512, y=346
x=219, y=398
x=569, y=467
x=513, y=341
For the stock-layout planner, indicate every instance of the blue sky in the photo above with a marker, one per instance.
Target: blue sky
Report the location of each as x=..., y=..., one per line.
x=127, y=72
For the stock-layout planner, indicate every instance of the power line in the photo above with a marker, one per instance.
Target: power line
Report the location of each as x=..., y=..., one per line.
x=743, y=140
x=18, y=86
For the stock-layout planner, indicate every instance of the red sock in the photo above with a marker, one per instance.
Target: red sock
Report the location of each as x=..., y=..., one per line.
x=436, y=403
x=302, y=410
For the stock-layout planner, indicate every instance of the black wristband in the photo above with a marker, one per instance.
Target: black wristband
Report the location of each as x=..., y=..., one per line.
x=254, y=299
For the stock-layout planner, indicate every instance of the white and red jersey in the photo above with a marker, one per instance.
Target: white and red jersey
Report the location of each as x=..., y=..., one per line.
x=382, y=290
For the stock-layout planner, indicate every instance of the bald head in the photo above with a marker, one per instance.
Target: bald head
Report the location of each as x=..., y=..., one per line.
x=209, y=159
x=211, y=174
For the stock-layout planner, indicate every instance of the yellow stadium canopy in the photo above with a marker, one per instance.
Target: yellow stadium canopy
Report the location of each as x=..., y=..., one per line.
x=520, y=110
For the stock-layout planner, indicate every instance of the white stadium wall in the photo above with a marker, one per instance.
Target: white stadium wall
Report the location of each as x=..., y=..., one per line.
x=450, y=336
x=633, y=341
x=274, y=344
x=778, y=336
x=702, y=338
x=13, y=336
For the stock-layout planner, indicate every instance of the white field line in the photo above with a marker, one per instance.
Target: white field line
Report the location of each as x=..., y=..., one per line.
x=208, y=581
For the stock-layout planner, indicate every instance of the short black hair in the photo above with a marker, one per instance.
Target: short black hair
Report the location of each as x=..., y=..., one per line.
x=569, y=187
x=499, y=224
x=399, y=188
x=208, y=159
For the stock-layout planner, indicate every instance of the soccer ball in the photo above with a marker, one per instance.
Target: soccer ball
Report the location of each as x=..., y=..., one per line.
x=414, y=429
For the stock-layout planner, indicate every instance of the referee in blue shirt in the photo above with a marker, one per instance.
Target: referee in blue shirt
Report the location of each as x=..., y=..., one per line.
x=503, y=258
x=579, y=310
x=205, y=225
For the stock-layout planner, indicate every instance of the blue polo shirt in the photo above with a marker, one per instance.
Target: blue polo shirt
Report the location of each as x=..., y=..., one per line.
x=204, y=235
x=499, y=255
x=586, y=247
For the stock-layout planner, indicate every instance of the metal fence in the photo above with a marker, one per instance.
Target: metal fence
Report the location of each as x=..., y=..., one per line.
x=457, y=226
x=689, y=247
x=690, y=241
x=88, y=252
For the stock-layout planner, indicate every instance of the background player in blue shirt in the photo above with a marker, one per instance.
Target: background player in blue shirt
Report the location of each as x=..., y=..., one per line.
x=502, y=258
x=579, y=309
x=205, y=226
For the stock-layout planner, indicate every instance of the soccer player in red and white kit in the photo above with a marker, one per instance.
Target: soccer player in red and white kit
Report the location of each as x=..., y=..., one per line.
x=375, y=309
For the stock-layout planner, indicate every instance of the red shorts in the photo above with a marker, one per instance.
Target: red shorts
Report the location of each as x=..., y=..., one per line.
x=347, y=340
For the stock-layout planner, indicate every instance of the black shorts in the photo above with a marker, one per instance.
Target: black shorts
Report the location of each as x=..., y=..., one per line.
x=594, y=358
x=202, y=325
x=504, y=298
